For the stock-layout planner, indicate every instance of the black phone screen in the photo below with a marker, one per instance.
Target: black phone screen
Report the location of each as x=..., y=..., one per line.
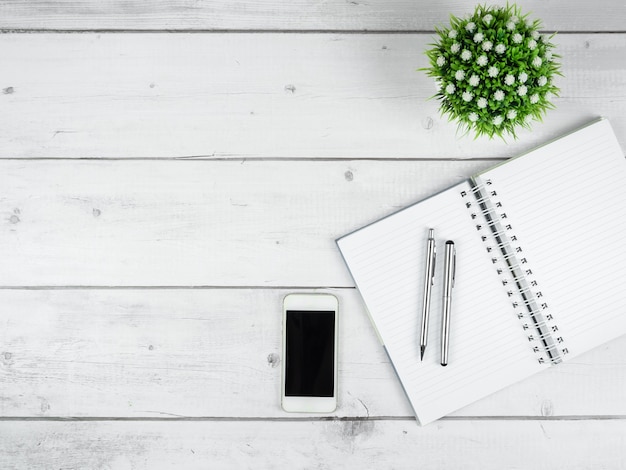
x=310, y=353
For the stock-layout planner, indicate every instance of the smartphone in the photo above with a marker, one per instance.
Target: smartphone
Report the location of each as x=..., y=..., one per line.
x=309, y=366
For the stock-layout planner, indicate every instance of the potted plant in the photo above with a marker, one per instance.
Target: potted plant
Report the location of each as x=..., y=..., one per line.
x=494, y=71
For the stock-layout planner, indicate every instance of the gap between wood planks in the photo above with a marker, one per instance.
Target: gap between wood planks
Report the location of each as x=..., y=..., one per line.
x=213, y=158
x=175, y=418
x=253, y=31
x=196, y=287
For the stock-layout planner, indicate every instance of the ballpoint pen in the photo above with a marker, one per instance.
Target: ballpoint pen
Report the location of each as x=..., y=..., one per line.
x=431, y=254
x=449, y=269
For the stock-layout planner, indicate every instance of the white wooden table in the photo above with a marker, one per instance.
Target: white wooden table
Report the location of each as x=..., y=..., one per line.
x=170, y=170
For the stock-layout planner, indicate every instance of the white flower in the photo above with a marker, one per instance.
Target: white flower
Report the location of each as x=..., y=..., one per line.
x=474, y=80
x=493, y=71
x=523, y=77
x=487, y=45
x=467, y=96
x=454, y=48
x=478, y=37
x=509, y=79
x=498, y=95
x=450, y=88
x=481, y=103
x=500, y=48
x=497, y=120
x=482, y=60
x=521, y=90
x=459, y=75
x=541, y=81
x=548, y=56
x=537, y=62
x=452, y=33
x=534, y=98
x=510, y=26
x=517, y=38
x=441, y=60
x=532, y=44
x=470, y=26
x=514, y=19
x=512, y=114
x=473, y=117
x=466, y=55
x=487, y=18
x=535, y=34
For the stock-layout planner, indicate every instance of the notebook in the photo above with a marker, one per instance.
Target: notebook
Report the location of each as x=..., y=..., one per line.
x=540, y=270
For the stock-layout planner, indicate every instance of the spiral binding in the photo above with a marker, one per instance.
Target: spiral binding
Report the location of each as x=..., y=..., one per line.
x=514, y=270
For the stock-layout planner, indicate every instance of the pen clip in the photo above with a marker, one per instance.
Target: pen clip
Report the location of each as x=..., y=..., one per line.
x=453, y=265
x=434, y=260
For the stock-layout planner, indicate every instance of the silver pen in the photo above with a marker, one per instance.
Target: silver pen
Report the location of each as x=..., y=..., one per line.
x=449, y=269
x=431, y=255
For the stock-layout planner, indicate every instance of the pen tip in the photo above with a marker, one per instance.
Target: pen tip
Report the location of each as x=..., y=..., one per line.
x=422, y=349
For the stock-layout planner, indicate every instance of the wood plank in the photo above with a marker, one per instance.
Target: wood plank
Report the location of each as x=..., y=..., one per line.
x=575, y=445
x=216, y=353
x=264, y=96
x=191, y=223
x=373, y=15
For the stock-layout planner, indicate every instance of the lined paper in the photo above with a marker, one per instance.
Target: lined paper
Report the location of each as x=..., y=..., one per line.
x=488, y=349
x=566, y=204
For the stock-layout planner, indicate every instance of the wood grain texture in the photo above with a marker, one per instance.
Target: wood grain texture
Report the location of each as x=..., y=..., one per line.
x=198, y=223
x=166, y=375
x=216, y=353
x=372, y=15
x=264, y=96
x=484, y=445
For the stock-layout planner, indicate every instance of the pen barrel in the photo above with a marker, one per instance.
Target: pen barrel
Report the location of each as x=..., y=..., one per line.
x=445, y=329
x=449, y=269
x=425, y=309
x=428, y=283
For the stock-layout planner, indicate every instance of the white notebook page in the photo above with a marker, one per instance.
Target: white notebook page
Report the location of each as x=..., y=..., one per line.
x=567, y=204
x=488, y=348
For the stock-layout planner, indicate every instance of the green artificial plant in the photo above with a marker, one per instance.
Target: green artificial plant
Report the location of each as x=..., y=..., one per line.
x=494, y=70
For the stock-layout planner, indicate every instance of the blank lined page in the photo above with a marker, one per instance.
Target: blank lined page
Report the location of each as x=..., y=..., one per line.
x=488, y=348
x=567, y=204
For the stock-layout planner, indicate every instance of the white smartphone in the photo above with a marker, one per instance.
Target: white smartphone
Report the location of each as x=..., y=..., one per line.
x=309, y=365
